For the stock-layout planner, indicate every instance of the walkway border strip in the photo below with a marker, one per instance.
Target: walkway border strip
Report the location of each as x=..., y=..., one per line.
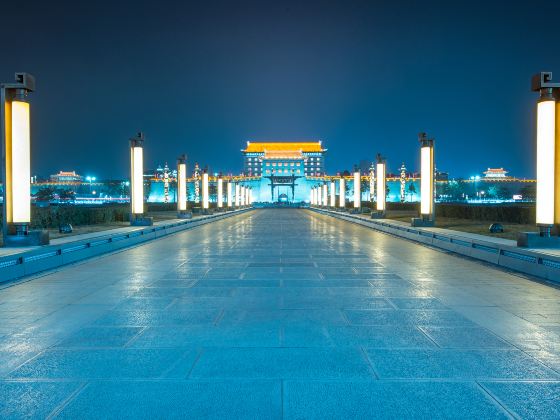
x=534, y=263
x=49, y=257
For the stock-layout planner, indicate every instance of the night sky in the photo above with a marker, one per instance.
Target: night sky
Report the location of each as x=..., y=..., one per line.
x=204, y=77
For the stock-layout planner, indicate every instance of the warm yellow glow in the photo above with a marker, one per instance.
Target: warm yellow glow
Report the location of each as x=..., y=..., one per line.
x=357, y=192
x=258, y=147
x=342, y=193
x=545, y=161
x=237, y=195
x=427, y=180
x=137, y=180
x=182, y=187
x=229, y=198
x=325, y=195
x=333, y=194
x=220, y=192
x=205, y=201
x=380, y=205
x=20, y=163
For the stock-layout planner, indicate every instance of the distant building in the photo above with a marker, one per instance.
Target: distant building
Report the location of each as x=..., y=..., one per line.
x=496, y=173
x=282, y=159
x=66, y=177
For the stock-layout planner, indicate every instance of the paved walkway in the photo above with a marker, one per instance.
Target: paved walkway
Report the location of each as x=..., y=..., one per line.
x=280, y=313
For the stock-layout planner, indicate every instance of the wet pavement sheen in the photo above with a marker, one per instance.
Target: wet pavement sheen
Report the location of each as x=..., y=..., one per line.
x=280, y=314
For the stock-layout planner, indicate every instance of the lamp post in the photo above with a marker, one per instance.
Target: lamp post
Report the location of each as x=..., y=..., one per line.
x=372, y=183
x=182, y=200
x=137, y=217
x=427, y=214
x=220, y=192
x=205, y=191
x=229, y=194
x=403, y=183
x=380, y=205
x=237, y=194
x=325, y=195
x=333, y=194
x=319, y=196
x=548, y=164
x=16, y=147
x=342, y=193
x=357, y=189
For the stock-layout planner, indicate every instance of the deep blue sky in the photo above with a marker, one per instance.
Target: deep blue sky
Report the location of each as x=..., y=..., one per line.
x=204, y=77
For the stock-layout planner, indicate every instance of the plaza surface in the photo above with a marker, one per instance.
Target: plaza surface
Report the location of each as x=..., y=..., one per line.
x=280, y=314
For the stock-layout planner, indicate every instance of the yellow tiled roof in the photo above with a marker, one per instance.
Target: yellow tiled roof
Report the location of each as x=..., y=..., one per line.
x=283, y=146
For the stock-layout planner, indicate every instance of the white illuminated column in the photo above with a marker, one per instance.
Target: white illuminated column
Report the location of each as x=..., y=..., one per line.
x=205, y=201
x=242, y=195
x=237, y=195
x=20, y=163
x=229, y=195
x=250, y=196
x=381, y=186
x=311, y=196
x=137, y=174
x=342, y=193
x=357, y=191
x=314, y=195
x=372, y=183
x=333, y=194
x=546, y=161
x=182, y=184
x=319, y=196
x=220, y=192
x=427, y=177
x=325, y=195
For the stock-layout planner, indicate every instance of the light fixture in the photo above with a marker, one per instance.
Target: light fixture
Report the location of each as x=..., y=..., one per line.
x=548, y=164
x=229, y=194
x=137, y=217
x=182, y=199
x=16, y=146
x=237, y=195
x=205, y=190
x=341, y=192
x=220, y=192
x=333, y=194
x=381, y=186
x=357, y=187
x=319, y=196
x=426, y=182
x=325, y=195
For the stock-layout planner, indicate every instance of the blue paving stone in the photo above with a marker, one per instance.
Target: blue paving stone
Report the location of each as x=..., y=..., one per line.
x=330, y=302
x=528, y=400
x=144, y=303
x=418, y=303
x=309, y=335
x=195, y=400
x=458, y=364
x=103, y=363
x=209, y=336
x=416, y=317
x=237, y=283
x=282, y=363
x=465, y=337
x=33, y=399
x=386, y=400
x=379, y=336
x=156, y=317
x=100, y=337
x=283, y=316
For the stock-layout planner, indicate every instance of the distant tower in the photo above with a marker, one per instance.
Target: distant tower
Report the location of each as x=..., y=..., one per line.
x=196, y=176
x=372, y=182
x=403, y=182
x=166, y=183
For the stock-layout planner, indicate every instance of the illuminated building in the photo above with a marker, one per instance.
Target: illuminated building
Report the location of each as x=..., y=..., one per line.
x=66, y=176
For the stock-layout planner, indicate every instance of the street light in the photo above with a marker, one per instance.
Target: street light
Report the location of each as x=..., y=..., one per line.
x=380, y=205
x=319, y=196
x=341, y=192
x=229, y=193
x=220, y=192
x=182, y=199
x=333, y=194
x=426, y=182
x=137, y=182
x=205, y=200
x=548, y=164
x=325, y=195
x=237, y=195
x=16, y=148
x=357, y=187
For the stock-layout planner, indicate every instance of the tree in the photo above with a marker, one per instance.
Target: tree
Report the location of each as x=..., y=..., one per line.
x=66, y=195
x=45, y=194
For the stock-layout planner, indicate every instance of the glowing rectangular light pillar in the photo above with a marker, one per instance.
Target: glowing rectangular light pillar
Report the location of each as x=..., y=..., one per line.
x=311, y=196
x=546, y=160
x=237, y=195
x=137, y=176
x=342, y=194
x=357, y=192
x=381, y=187
x=20, y=173
x=181, y=184
x=220, y=193
x=229, y=193
x=333, y=194
x=242, y=195
x=250, y=196
x=205, y=201
x=325, y=195
x=427, y=178
x=319, y=196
